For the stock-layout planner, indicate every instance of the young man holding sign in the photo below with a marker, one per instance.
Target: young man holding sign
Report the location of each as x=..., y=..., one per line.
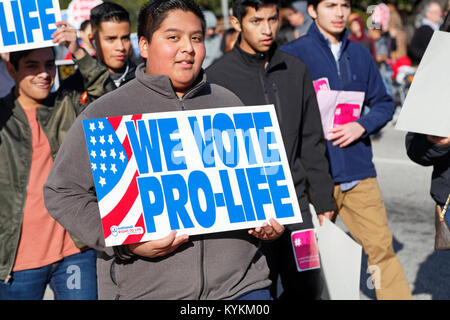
x=225, y=265
x=346, y=81
x=110, y=37
x=259, y=73
x=34, y=249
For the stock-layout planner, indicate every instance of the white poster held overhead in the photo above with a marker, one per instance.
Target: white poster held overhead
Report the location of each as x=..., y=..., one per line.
x=27, y=24
x=427, y=107
x=340, y=258
x=80, y=10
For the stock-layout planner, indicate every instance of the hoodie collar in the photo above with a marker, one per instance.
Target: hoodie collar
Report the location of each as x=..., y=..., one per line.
x=162, y=84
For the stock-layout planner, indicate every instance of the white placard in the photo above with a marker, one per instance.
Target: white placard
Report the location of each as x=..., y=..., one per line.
x=427, y=106
x=194, y=171
x=27, y=24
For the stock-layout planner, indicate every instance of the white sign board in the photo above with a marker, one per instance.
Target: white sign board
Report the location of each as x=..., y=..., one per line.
x=194, y=171
x=427, y=107
x=340, y=258
x=80, y=10
x=27, y=24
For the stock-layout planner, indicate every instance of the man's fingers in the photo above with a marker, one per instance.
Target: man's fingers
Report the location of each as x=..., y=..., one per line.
x=341, y=141
x=276, y=226
x=165, y=242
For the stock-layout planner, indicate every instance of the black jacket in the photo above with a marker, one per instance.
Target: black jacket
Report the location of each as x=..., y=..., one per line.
x=425, y=153
x=286, y=83
x=419, y=43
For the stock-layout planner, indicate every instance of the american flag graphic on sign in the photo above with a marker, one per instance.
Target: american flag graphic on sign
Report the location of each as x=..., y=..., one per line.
x=115, y=181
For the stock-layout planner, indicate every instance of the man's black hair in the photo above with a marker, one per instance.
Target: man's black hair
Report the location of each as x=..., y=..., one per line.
x=106, y=12
x=315, y=3
x=152, y=15
x=85, y=24
x=16, y=56
x=240, y=7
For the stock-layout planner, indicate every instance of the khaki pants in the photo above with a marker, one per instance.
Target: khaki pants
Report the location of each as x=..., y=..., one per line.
x=362, y=211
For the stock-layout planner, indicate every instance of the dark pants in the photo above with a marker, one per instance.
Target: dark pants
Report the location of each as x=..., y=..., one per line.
x=306, y=285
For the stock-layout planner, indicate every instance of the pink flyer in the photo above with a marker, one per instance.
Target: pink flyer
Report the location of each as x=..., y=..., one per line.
x=339, y=107
x=345, y=113
x=306, y=251
x=321, y=84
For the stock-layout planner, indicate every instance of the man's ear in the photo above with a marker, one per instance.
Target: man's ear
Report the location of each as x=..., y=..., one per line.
x=312, y=12
x=11, y=70
x=235, y=24
x=143, y=47
x=93, y=39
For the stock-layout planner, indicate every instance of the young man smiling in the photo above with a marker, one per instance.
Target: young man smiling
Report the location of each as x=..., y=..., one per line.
x=347, y=68
x=110, y=37
x=259, y=73
x=34, y=249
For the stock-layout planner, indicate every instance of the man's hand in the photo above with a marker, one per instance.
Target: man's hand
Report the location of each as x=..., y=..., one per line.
x=268, y=232
x=346, y=134
x=158, y=248
x=329, y=215
x=67, y=36
x=439, y=140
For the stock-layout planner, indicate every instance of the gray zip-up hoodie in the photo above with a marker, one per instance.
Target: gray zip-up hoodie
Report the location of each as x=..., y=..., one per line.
x=214, y=266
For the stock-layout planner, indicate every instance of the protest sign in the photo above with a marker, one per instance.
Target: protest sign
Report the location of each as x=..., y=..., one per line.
x=426, y=109
x=196, y=171
x=80, y=10
x=340, y=258
x=339, y=107
x=27, y=24
x=306, y=251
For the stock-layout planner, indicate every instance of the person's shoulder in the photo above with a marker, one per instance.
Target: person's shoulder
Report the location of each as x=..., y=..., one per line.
x=292, y=61
x=221, y=94
x=301, y=42
x=114, y=102
x=227, y=59
x=358, y=50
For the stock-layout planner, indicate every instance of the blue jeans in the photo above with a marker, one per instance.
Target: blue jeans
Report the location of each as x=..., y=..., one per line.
x=262, y=294
x=72, y=278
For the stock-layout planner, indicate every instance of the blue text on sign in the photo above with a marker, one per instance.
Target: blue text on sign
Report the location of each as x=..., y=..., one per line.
x=28, y=15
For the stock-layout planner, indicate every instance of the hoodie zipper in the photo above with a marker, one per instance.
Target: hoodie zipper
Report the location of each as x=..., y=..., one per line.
x=278, y=103
x=182, y=106
x=202, y=245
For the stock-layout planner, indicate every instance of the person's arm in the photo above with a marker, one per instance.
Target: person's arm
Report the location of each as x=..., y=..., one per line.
x=313, y=153
x=381, y=111
x=69, y=192
x=427, y=150
x=95, y=76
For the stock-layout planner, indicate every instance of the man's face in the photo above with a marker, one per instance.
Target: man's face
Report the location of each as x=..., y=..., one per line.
x=177, y=49
x=258, y=28
x=434, y=13
x=331, y=17
x=35, y=75
x=295, y=18
x=113, y=45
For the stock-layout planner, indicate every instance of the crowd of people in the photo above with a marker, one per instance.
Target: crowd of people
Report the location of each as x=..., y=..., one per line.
x=290, y=57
